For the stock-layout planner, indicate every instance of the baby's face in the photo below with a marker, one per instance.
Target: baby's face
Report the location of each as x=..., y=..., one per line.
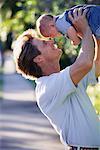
x=52, y=30
x=49, y=30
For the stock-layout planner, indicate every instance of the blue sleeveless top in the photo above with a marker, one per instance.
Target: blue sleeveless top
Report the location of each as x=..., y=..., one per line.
x=93, y=17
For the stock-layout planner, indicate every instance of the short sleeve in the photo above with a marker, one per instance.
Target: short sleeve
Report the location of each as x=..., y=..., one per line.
x=62, y=25
x=54, y=89
x=90, y=78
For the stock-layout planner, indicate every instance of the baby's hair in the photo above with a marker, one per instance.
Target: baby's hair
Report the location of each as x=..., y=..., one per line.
x=48, y=16
x=44, y=16
x=41, y=21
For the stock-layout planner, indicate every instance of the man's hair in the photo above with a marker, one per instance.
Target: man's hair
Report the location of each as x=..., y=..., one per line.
x=24, y=53
x=41, y=21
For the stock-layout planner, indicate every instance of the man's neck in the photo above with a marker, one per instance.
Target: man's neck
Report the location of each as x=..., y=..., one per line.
x=49, y=69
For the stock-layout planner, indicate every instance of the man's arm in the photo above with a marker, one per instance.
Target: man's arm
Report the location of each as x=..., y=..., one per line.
x=97, y=60
x=84, y=62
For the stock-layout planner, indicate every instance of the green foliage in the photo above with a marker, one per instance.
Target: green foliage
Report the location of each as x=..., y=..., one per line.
x=70, y=51
x=19, y=15
x=94, y=94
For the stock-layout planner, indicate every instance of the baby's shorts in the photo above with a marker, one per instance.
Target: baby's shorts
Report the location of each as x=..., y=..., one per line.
x=93, y=17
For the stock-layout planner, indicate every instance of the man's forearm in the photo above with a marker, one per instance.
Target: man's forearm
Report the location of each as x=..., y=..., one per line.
x=88, y=46
x=84, y=62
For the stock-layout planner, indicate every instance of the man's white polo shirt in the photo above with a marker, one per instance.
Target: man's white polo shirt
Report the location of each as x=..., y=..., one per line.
x=69, y=108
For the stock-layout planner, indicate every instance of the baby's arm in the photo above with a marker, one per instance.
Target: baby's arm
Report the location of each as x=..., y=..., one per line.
x=72, y=34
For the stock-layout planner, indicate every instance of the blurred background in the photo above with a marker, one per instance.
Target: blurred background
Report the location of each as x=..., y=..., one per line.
x=22, y=126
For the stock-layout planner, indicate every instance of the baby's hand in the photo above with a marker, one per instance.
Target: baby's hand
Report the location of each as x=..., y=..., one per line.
x=76, y=42
x=72, y=35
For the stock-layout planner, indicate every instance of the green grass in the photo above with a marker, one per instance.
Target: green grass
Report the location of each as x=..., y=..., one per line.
x=94, y=94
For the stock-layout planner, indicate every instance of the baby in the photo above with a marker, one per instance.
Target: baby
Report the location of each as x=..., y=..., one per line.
x=55, y=26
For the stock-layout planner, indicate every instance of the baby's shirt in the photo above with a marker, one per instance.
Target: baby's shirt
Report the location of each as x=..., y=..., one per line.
x=93, y=16
x=62, y=24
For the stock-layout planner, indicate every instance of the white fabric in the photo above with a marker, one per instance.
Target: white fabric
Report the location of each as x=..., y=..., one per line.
x=69, y=108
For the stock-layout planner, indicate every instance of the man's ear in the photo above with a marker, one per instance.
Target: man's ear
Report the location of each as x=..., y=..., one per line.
x=38, y=59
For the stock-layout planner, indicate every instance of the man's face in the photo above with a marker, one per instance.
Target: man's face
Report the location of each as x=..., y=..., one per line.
x=48, y=49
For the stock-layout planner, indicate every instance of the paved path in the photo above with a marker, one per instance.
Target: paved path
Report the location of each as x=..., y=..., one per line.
x=23, y=127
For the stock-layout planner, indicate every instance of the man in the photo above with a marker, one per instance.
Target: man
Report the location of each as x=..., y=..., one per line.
x=61, y=95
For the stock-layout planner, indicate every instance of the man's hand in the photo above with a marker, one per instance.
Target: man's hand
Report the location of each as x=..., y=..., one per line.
x=79, y=21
